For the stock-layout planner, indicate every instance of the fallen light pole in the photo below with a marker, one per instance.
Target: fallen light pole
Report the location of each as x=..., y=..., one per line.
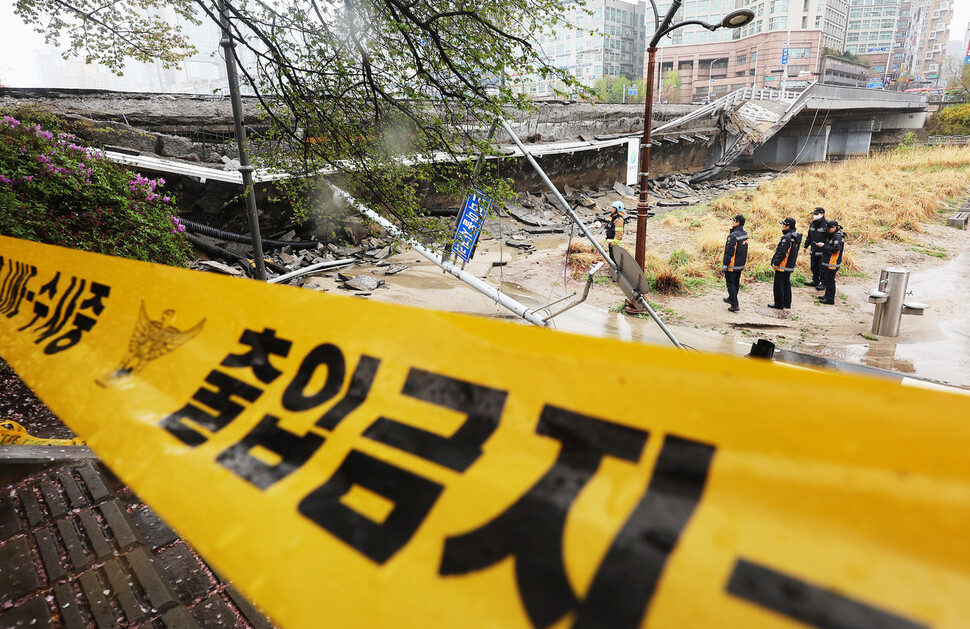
x=632, y=289
x=498, y=296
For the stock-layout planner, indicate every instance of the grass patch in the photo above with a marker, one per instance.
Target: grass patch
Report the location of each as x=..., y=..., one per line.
x=868, y=336
x=929, y=250
x=890, y=197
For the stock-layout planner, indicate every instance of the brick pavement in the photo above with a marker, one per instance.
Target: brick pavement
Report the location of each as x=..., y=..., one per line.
x=78, y=549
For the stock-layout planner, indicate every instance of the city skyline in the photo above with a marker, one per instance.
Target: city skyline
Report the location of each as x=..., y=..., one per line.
x=23, y=57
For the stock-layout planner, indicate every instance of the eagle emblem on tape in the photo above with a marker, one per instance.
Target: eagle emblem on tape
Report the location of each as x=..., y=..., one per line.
x=149, y=341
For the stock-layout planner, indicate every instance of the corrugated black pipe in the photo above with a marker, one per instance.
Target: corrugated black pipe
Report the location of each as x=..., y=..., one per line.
x=216, y=250
x=214, y=232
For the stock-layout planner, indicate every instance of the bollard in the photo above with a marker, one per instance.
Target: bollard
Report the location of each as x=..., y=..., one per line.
x=888, y=298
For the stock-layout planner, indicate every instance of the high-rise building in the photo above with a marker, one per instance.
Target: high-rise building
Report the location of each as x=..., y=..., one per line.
x=827, y=16
x=933, y=33
x=608, y=40
x=873, y=34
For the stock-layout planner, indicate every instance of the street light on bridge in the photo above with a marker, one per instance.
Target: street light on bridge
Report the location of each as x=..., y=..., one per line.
x=734, y=19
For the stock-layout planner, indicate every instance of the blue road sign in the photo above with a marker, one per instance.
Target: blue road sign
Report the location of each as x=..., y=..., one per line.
x=879, y=49
x=632, y=91
x=784, y=56
x=874, y=84
x=469, y=227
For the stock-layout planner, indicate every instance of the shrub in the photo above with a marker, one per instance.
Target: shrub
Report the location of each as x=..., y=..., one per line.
x=952, y=120
x=54, y=191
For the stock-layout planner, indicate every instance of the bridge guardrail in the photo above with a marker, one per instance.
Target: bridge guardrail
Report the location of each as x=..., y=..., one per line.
x=948, y=139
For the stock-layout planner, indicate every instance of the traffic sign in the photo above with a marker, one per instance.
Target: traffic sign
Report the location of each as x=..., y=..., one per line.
x=784, y=56
x=769, y=78
x=631, y=91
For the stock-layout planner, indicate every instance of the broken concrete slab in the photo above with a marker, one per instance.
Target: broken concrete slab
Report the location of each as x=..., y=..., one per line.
x=318, y=284
x=396, y=268
x=518, y=244
x=363, y=283
x=219, y=267
x=623, y=189
x=379, y=253
x=524, y=216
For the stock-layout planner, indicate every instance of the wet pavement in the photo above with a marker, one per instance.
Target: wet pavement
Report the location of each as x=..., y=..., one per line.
x=934, y=347
x=78, y=549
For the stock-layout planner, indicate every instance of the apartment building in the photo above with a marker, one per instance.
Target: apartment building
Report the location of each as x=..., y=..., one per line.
x=608, y=40
x=877, y=31
x=934, y=32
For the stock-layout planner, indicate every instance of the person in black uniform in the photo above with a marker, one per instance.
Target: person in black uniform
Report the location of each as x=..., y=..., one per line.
x=816, y=229
x=831, y=260
x=735, y=255
x=783, y=262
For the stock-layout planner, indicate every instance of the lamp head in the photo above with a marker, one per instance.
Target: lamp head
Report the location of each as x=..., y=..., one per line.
x=737, y=19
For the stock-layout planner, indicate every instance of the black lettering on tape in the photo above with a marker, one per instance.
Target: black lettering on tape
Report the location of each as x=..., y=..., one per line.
x=295, y=397
x=219, y=400
x=532, y=528
x=293, y=450
x=807, y=603
x=627, y=579
x=94, y=303
x=262, y=345
x=41, y=309
x=412, y=495
x=82, y=324
x=481, y=405
x=360, y=384
x=11, y=295
x=60, y=316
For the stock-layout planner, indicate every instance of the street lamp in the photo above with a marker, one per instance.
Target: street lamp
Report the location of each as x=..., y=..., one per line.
x=710, y=76
x=754, y=84
x=734, y=19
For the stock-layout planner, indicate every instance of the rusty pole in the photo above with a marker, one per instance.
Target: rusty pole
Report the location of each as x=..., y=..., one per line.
x=642, y=205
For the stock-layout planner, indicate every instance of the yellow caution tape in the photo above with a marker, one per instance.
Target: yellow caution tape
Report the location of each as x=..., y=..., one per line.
x=359, y=464
x=12, y=433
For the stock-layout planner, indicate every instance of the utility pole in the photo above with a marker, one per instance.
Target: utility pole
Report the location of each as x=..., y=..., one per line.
x=245, y=168
x=784, y=60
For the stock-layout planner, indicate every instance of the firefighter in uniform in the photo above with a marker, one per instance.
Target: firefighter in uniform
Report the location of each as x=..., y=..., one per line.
x=735, y=255
x=831, y=260
x=614, y=227
x=783, y=262
x=816, y=233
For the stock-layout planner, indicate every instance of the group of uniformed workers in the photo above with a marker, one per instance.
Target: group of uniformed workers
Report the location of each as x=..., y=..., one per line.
x=826, y=242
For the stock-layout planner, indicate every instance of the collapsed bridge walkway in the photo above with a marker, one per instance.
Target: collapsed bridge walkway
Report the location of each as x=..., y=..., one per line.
x=767, y=128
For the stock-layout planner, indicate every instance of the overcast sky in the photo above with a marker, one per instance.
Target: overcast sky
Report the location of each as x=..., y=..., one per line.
x=18, y=43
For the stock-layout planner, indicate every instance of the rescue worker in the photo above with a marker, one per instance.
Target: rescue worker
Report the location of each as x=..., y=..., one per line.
x=831, y=260
x=614, y=227
x=735, y=255
x=816, y=233
x=783, y=262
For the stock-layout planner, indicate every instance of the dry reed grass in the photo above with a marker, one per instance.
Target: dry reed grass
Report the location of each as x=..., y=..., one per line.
x=888, y=196
x=580, y=255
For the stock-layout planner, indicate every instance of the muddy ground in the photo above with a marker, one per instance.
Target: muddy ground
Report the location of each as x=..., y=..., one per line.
x=530, y=267
x=935, y=346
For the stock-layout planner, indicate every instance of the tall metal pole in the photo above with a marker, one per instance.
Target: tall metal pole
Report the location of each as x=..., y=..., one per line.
x=245, y=169
x=643, y=205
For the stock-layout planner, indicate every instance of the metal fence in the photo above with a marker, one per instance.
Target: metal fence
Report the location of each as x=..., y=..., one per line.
x=948, y=139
